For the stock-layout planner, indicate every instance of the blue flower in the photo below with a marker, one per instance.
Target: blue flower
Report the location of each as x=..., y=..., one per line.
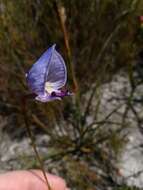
x=47, y=76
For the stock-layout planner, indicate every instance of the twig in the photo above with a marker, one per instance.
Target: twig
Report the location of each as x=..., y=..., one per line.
x=102, y=122
x=89, y=102
x=40, y=124
x=61, y=15
x=106, y=44
x=24, y=101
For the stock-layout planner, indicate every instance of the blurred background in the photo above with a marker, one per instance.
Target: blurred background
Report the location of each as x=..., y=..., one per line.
x=95, y=138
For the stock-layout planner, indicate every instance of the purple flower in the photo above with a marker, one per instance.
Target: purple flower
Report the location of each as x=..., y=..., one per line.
x=47, y=76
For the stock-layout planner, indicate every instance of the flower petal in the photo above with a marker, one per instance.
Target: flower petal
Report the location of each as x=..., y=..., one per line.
x=46, y=98
x=48, y=73
x=57, y=75
x=36, y=77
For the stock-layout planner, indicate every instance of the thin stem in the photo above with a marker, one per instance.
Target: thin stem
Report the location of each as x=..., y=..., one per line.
x=33, y=141
x=62, y=16
x=100, y=123
x=72, y=78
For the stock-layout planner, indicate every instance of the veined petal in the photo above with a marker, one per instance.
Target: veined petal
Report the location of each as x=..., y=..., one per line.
x=48, y=73
x=57, y=75
x=36, y=77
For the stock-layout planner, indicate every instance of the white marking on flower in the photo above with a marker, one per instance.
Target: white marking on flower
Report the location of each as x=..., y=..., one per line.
x=49, y=88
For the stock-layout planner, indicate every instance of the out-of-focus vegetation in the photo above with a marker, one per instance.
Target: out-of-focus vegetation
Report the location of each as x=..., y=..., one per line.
x=104, y=37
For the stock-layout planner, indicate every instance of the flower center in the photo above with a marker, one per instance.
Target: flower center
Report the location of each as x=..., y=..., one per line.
x=48, y=87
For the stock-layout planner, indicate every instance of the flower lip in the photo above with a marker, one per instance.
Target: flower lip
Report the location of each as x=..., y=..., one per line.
x=61, y=93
